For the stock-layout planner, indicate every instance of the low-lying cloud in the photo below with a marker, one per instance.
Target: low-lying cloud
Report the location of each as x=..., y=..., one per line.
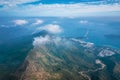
x=84, y=22
x=20, y=22
x=38, y=21
x=41, y=40
x=51, y=28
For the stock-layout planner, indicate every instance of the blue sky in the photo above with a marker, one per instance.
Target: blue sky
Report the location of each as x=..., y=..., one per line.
x=60, y=8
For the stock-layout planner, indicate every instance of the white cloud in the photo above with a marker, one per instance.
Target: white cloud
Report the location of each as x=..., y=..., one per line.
x=84, y=22
x=52, y=28
x=20, y=22
x=41, y=40
x=38, y=21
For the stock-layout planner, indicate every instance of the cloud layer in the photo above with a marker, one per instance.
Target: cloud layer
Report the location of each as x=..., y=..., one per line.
x=64, y=10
